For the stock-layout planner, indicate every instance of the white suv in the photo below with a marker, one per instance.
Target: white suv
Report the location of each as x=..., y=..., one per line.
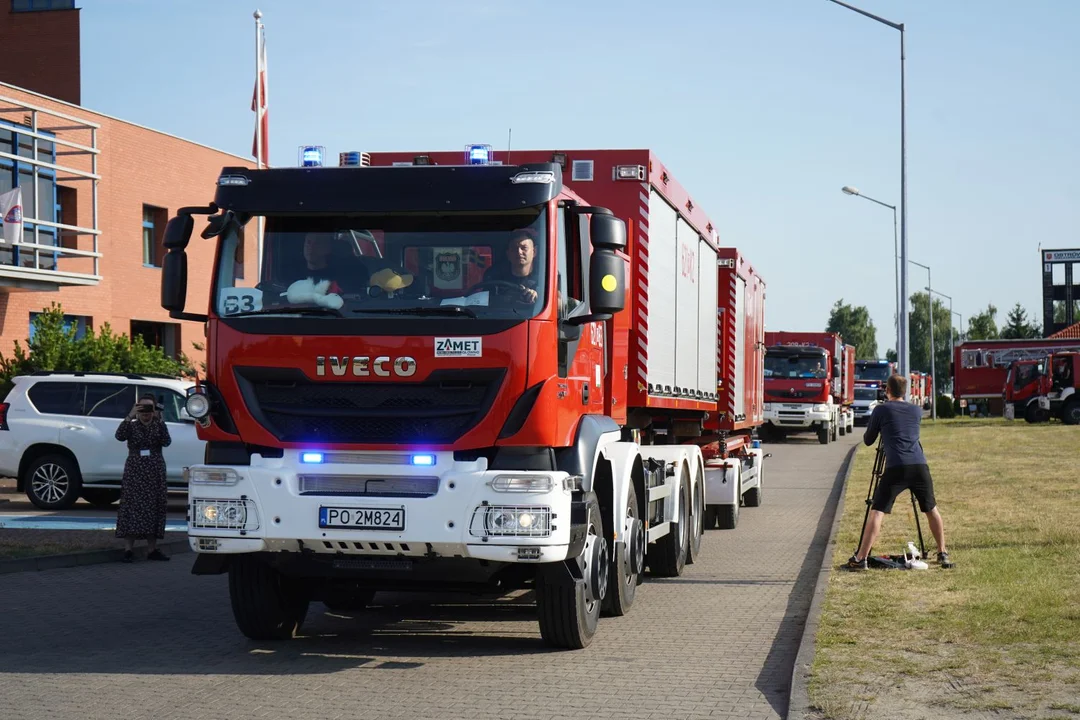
x=58, y=434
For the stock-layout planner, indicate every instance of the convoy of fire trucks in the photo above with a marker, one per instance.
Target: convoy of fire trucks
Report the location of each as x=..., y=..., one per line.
x=809, y=384
x=1040, y=389
x=981, y=367
x=471, y=373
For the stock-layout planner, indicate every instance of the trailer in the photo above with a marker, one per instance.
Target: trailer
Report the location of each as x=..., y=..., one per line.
x=456, y=372
x=979, y=367
x=809, y=384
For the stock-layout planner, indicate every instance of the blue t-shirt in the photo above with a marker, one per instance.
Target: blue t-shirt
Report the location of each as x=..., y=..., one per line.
x=898, y=423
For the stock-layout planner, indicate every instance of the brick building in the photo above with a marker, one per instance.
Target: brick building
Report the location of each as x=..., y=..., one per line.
x=96, y=194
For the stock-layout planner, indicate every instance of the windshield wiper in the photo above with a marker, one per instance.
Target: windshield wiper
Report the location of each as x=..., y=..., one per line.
x=438, y=310
x=293, y=310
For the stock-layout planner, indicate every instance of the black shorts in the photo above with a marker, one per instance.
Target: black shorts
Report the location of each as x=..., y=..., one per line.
x=896, y=480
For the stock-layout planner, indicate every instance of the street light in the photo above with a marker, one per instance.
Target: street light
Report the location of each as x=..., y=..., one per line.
x=903, y=352
x=952, y=336
x=933, y=368
x=848, y=190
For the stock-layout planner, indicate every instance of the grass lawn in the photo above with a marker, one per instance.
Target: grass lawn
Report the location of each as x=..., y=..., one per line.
x=1000, y=632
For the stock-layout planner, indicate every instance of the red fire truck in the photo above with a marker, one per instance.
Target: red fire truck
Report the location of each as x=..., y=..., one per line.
x=1038, y=390
x=921, y=389
x=458, y=374
x=809, y=384
x=979, y=367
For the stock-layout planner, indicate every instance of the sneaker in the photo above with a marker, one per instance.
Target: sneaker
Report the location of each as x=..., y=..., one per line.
x=157, y=555
x=943, y=560
x=854, y=563
x=128, y=557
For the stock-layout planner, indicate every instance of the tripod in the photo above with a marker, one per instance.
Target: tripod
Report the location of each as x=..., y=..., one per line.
x=892, y=561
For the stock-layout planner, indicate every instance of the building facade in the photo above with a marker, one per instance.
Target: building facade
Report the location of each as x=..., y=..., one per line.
x=96, y=195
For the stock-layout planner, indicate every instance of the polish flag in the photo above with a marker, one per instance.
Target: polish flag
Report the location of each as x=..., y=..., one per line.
x=260, y=144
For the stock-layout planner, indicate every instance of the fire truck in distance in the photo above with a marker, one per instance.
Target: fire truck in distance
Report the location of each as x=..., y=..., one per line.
x=460, y=375
x=979, y=367
x=1038, y=390
x=921, y=389
x=809, y=384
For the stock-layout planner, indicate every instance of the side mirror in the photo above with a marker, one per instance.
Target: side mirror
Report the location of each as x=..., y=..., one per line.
x=174, y=280
x=607, y=283
x=836, y=369
x=607, y=232
x=178, y=232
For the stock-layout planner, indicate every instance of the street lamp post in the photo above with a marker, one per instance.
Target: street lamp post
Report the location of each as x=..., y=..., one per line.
x=903, y=352
x=933, y=368
x=848, y=190
x=952, y=335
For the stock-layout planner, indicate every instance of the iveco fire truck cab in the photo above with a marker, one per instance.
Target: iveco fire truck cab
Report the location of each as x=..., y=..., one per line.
x=1039, y=389
x=418, y=393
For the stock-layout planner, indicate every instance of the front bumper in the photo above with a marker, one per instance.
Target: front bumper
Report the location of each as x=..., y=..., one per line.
x=454, y=510
x=794, y=415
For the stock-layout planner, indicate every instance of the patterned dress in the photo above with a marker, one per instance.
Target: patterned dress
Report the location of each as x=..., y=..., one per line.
x=143, y=492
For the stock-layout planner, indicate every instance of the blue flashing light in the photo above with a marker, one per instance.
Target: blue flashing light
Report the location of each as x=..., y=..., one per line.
x=477, y=154
x=312, y=155
x=426, y=460
x=755, y=444
x=311, y=457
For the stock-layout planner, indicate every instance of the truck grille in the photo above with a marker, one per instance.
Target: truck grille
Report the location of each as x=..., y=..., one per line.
x=791, y=394
x=439, y=410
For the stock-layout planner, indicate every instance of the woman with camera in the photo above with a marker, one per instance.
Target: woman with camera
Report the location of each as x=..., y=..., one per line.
x=144, y=495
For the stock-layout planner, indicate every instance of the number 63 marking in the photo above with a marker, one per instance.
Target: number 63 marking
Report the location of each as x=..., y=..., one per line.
x=234, y=304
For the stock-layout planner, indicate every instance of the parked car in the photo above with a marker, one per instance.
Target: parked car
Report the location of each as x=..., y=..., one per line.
x=57, y=434
x=866, y=399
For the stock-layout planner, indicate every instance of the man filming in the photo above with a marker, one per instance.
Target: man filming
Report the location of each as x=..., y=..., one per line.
x=898, y=423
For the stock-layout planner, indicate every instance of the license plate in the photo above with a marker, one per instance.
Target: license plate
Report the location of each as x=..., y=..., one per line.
x=362, y=518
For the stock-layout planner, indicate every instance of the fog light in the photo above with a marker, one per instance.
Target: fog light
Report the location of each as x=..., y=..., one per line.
x=522, y=483
x=495, y=520
x=225, y=514
x=197, y=405
x=212, y=476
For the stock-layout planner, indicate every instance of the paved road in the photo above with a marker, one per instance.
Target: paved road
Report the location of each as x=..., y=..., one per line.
x=153, y=641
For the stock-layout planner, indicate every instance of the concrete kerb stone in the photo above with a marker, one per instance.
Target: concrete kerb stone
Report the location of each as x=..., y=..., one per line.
x=86, y=557
x=799, y=698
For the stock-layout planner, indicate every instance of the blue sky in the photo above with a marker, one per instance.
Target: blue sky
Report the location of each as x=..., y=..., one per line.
x=762, y=109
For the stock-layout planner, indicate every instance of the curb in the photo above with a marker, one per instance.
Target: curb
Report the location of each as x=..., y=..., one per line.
x=799, y=697
x=85, y=557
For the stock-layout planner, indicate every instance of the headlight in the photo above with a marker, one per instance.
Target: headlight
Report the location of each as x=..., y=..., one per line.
x=212, y=476
x=522, y=483
x=224, y=514
x=821, y=408
x=197, y=405
x=517, y=520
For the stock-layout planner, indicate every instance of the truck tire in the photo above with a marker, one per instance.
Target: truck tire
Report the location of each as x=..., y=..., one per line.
x=728, y=516
x=667, y=557
x=697, y=520
x=835, y=430
x=623, y=584
x=1035, y=414
x=567, y=612
x=100, y=497
x=823, y=435
x=52, y=482
x=266, y=605
x=1070, y=412
x=753, y=495
x=843, y=427
x=712, y=515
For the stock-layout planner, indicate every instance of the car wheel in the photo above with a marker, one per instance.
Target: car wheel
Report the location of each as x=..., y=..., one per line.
x=52, y=482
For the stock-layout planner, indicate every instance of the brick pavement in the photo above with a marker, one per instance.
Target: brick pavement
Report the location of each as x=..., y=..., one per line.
x=153, y=641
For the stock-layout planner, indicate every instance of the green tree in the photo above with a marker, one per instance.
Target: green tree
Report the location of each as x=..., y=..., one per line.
x=983, y=326
x=1017, y=325
x=855, y=326
x=919, y=337
x=891, y=356
x=55, y=347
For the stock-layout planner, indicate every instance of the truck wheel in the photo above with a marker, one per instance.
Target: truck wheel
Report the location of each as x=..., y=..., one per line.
x=753, y=495
x=1070, y=413
x=1035, y=414
x=266, y=604
x=729, y=516
x=99, y=497
x=349, y=601
x=712, y=514
x=569, y=608
x=823, y=435
x=836, y=430
x=667, y=558
x=628, y=562
x=697, y=521
x=52, y=482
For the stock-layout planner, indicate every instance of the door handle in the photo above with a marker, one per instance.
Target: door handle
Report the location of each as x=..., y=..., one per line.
x=74, y=427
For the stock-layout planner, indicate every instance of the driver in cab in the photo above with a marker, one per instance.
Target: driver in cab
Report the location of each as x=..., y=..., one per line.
x=520, y=268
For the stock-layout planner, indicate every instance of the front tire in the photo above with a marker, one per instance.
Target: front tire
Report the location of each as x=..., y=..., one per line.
x=1070, y=413
x=823, y=435
x=568, y=606
x=52, y=482
x=668, y=556
x=623, y=582
x=266, y=605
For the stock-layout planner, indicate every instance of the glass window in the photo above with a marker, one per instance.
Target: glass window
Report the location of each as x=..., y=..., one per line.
x=109, y=400
x=170, y=400
x=57, y=398
x=148, y=236
x=79, y=322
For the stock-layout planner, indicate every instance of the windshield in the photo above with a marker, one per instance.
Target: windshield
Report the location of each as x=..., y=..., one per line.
x=795, y=366
x=866, y=394
x=872, y=372
x=454, y=265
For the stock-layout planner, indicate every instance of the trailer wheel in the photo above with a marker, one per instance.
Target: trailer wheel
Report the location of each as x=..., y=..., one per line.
x=823, y=435
x=628, y=562
x=729, y=516
x=1070, y=412
x=568, y=606
x=753, y=495
x=667, y=558
x=266, y=604
x=843, y=429
x=697, y=522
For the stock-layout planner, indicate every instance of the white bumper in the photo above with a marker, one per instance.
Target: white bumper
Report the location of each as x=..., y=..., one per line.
x=281, y=513
x=795, y=415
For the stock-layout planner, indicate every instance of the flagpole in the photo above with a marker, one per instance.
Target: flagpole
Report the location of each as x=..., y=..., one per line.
x=258, y=138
